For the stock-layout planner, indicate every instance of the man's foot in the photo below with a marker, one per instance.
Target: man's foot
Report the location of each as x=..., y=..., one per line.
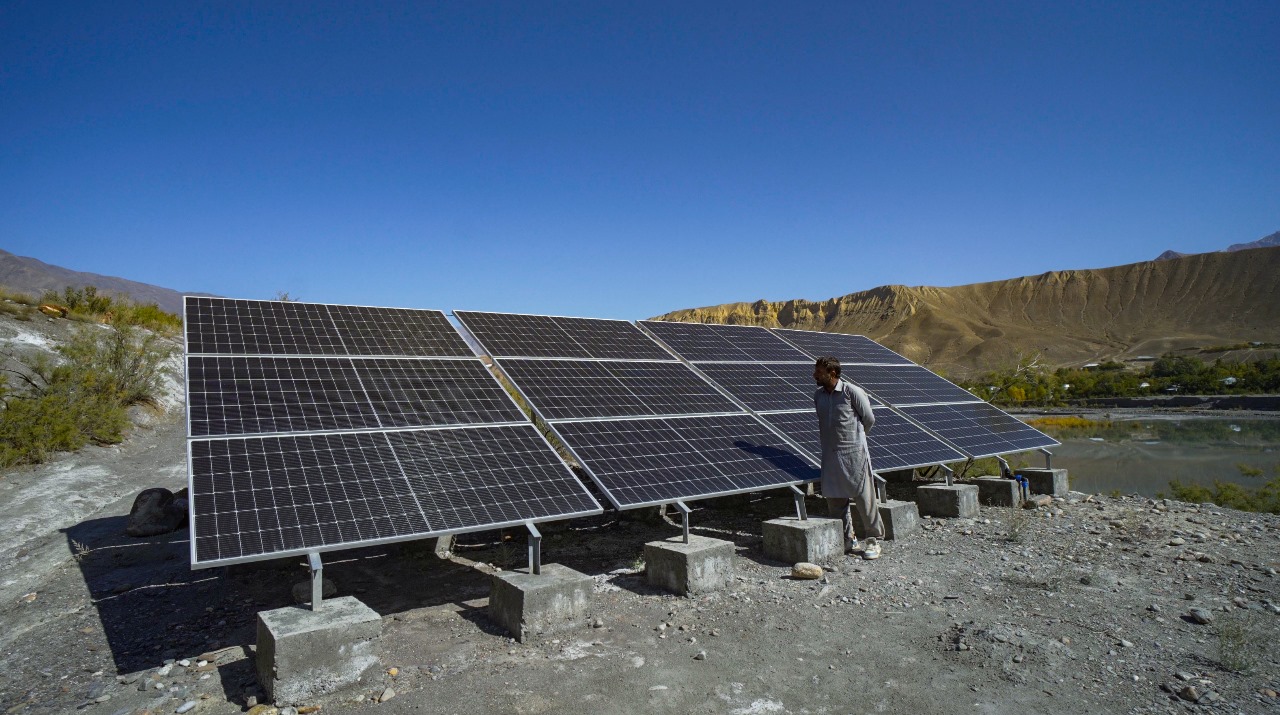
x=851, y=546
x=870, y=549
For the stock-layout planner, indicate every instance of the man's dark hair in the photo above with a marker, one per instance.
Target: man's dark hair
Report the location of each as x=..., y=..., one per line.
x=830, y=364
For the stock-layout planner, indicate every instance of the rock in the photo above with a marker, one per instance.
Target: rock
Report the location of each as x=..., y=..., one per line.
x=393, y=672
x=1240, y=602
x=1125, y=644
x=302, y=590
x=701, y=655
x=156, y=511
x=186, y=707
x=806, y=570
x=1200, y=615
x=1177, y=541
x=386, y=695
x=263, y=709
x=1189, y=693
x=1184, y=676
x=597, y=623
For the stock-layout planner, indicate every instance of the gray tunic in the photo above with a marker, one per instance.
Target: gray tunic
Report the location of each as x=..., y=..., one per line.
x=844, y=416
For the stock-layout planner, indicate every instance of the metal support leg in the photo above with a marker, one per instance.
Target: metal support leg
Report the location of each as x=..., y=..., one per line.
x=535, y=548
x=1005, y=470
x=881, y=490
x=317, y=579
x=1048, y=458
x=801, y=513
x=684, y=518
x=948, y=473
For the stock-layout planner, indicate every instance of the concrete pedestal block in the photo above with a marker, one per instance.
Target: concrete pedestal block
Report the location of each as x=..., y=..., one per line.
x=901, y=519
x=998, y=491
x=530, y=604
x=1046, y=481
x=304, y=653
x=700, y=566
x=957, y=500
x=815, y=540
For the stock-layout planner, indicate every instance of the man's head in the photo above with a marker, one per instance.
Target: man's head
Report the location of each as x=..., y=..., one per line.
x=826, y=372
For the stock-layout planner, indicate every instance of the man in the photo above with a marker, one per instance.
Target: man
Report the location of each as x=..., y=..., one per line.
x=844, y=416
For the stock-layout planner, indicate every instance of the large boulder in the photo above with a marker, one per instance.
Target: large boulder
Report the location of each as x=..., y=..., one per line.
x=157, y=511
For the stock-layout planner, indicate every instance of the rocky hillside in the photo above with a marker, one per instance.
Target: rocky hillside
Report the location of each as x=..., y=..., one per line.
x=33, y=276
x=1069, y=317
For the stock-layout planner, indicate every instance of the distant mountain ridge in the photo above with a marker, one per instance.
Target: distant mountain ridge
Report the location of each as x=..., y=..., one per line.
x=31, y=275
x=1264, y=242
x=1068, y=317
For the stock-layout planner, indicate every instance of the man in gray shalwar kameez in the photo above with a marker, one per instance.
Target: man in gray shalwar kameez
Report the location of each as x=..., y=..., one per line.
x=844, y=416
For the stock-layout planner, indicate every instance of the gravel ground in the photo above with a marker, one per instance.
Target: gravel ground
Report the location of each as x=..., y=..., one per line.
x=1084, y=605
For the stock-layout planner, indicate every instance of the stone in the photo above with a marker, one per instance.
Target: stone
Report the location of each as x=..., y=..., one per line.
x=957, y=500
x=186, y=707
x=302, y=590
x=701, y=655
x=701, y=566
x=805, y=570
x=1177, y=541
x=901, y=518
x=1125, y=644
x=156, y=511
x=1046, y=481
x=304, y=653
x=263, y=709
x=386, y=695
x=526, y=604
x=1189, y=693
x=1200, y=615
x=997, y=491
x=812, y=540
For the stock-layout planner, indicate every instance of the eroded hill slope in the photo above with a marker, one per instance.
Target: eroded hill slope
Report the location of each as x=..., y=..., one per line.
x=1069, y=317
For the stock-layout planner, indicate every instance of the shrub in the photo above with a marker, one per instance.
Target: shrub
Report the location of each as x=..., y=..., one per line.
x=1263, y=499
x=82, y=398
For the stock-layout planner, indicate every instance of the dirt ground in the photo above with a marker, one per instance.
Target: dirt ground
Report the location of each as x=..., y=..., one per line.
x=1078, y=607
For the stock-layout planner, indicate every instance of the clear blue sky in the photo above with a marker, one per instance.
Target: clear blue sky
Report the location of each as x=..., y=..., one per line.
x=626, y=159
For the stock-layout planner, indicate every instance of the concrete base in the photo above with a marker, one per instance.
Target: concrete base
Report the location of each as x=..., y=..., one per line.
x=816, y=540
x=700, y=566
x=901, y=519
x=998, y=491
x=304, y=653
x=527, y=604
x=1046, y=481
x=957, y=500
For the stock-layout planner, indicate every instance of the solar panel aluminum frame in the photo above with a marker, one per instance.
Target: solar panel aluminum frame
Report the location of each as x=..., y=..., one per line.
x=191, y=491
x=195, y=565
x=802, y=453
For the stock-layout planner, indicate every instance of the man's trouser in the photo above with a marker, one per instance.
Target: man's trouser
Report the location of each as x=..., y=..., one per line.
x=867, y=507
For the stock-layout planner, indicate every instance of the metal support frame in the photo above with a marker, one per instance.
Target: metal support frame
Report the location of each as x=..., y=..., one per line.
x=317, y=579
x=1048, y=458
x=798, y=494
x=948, y=474
x=684, y=518
x=1005, y=470
x=881, y=490
x=535, y=548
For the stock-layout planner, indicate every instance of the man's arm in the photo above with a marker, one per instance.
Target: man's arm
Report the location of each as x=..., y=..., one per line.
x=862, y=407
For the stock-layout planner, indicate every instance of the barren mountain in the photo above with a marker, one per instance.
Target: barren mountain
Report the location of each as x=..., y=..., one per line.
x=1070, y=317
x=30, y=275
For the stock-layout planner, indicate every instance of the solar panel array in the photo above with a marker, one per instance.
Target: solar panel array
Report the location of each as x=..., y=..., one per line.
x=315, y=427
x=919, y=396
x=647, y=428
x=782, y=392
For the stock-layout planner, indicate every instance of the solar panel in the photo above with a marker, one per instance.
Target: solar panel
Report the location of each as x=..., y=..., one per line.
x=576, y=389
x=978, y=428
x=899, y=385
x=894, y=442
x=698, y=342
x=273, y=496
x=847, y=349
x=330, y=454
x=218, y=326
x=639, y=462
x=765, y=386
x=515, y=335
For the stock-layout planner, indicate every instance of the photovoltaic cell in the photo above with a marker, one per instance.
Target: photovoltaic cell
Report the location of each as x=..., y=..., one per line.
x=260, y=327
x=273, y=496
x=422, y=393
x=652, y=461
x=765, y=386
x=900, y=385
x=894, y=442
x=577, y=389
x=515, y=335
x=698, y=342
x=847, y=349
x=979, y=429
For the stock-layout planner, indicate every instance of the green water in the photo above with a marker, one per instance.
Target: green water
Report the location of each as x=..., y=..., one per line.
x=1141, y=456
